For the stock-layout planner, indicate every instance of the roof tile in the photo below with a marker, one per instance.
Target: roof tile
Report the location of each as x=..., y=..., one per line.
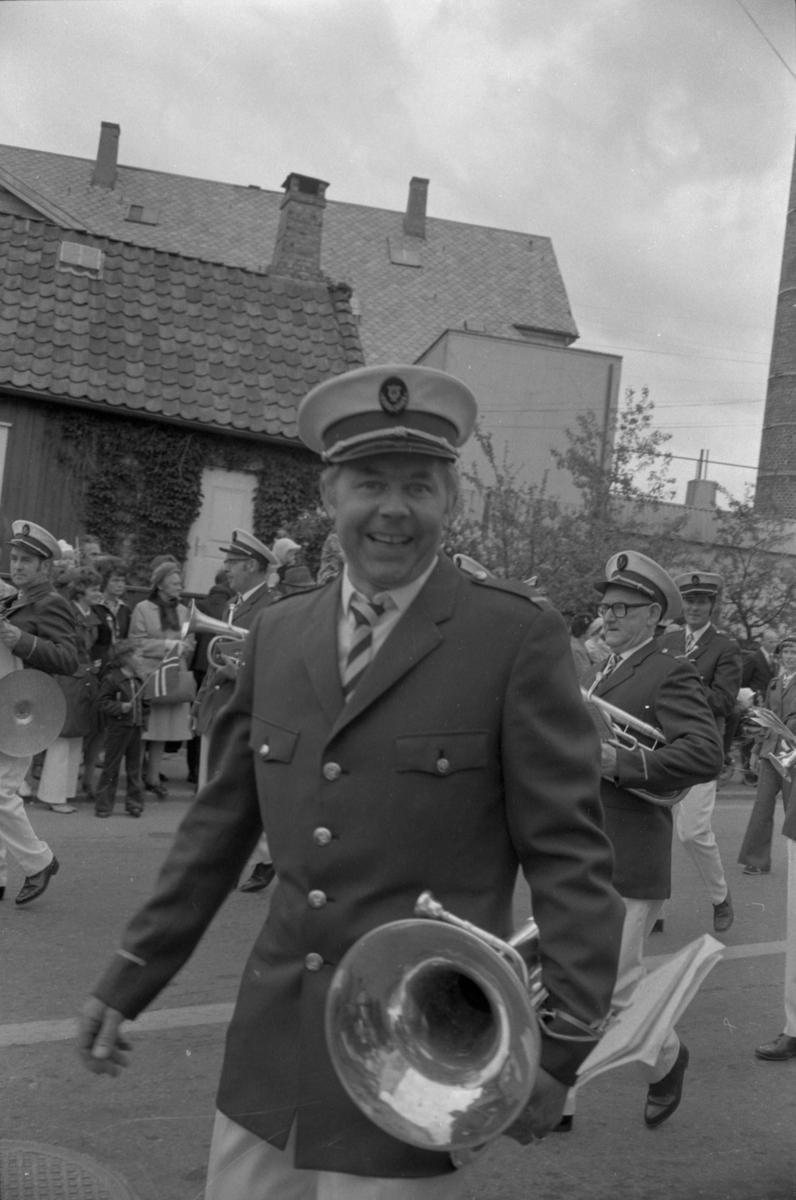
x=166, y=335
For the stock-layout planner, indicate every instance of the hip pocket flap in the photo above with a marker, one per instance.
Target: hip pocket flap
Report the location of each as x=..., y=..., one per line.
x=443, y=753
x=272, y=743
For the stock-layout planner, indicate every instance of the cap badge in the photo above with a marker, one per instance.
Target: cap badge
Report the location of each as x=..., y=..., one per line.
x=393, y=396
x=621, y=562
x=695, y=579
x=25, y=530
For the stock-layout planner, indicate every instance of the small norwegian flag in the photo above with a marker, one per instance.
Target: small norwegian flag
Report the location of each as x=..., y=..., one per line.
x=165, y=680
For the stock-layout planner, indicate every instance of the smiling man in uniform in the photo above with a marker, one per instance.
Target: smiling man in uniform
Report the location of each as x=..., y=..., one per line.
x=402, y=728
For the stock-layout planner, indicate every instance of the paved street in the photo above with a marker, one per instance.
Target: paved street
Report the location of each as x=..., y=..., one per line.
x=732, y=1139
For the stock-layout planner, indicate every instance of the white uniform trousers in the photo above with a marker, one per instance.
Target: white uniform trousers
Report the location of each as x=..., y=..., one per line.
x=58, y=781
x=640, y=916
x=16, y=831
x=694, y=830
x=244, y=1167
x=790, y=945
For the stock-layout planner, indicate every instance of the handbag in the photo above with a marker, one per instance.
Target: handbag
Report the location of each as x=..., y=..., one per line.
x=171, y=683
x=81, y=704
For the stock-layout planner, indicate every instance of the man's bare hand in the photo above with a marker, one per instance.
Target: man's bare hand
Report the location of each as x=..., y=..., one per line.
x=99, y=1043
x=231, y=667
x=607, y=760
x=543, y=1111
x=9, y=634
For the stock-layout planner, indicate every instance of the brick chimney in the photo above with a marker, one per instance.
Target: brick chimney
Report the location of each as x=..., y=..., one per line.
x=298, y=239
x=415, y=218
x=105, y=166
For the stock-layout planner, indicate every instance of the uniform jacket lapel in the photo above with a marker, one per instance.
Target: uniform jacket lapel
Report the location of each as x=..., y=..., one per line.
x=319, y=650
x=415, y=636
x=624, y=670
x=702, y=644
x=248, y=604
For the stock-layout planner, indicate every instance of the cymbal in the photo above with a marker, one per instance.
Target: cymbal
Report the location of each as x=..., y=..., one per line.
x=32, y=712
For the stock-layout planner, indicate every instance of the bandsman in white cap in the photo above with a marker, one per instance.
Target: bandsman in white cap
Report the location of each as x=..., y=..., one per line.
x=247, y=562
x=405, y=726
x=717, y=657
x=38, y=630
x=657, y=687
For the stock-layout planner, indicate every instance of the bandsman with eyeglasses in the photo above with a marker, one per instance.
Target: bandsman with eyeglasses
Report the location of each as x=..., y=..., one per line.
x=655, y=686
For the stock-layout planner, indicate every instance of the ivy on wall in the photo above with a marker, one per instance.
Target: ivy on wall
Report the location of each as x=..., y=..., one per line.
x=139, y=483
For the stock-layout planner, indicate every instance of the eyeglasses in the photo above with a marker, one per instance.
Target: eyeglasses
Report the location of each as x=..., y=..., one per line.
x=619, y=609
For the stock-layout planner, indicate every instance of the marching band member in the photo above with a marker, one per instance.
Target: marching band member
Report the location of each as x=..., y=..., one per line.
x=401, y=728
x=247, y=562
x=717, y=658
x=650, y=683
x=37, y=628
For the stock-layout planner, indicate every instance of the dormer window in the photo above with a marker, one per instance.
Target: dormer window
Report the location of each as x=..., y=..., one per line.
x=403, y=254
x=80, y=259
x=142, y=214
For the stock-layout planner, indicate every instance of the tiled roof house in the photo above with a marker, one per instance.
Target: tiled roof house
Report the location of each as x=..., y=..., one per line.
x=413, y=276
x=213, y=306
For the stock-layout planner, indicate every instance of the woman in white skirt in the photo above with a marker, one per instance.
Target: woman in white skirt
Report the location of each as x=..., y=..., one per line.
x=155, y=628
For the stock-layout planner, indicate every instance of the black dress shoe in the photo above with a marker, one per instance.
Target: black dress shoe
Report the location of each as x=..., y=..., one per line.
x=723, y=915
x=35, y=885
x=779, y=1050
x=564, y=1125
x=259, y=879
x=664, y=1096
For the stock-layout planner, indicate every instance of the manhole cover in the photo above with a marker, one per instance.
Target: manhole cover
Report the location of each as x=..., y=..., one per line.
x=30, y=1171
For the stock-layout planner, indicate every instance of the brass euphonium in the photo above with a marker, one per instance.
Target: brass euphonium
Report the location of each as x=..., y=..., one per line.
x=622, y=729
x=227, y=642
x=432, y=1028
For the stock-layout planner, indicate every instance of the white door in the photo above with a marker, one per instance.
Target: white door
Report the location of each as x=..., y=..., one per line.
x=227, y=504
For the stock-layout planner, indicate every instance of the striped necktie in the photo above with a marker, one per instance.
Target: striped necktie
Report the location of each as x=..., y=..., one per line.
x=360, y=654
x=611, y=663
x=690, y=642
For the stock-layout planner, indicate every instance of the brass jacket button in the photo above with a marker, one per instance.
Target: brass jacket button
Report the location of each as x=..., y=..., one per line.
x=313, y=962
x=317, y=898
x=443, y=766
x=265, y=750
x=332, y=771
x=321, y=836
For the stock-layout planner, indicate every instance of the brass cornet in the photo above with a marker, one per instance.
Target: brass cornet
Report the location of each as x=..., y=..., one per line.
x=227, y=642
x=432, y=1027
x=622, y=729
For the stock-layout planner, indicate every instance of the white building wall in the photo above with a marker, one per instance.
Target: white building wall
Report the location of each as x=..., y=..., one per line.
x=528, y=394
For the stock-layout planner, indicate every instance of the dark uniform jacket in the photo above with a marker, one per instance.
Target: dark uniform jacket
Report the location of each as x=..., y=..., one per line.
x=718, y=660
x=464, y=752
x=49, y=630
x=657, y=687
x=757, y=672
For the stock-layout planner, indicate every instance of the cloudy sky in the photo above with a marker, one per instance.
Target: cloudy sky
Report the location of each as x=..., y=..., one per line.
x=652, y=140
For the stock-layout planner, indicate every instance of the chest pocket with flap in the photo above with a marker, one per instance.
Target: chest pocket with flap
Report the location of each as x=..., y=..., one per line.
x=272, y=743
x=443, y=753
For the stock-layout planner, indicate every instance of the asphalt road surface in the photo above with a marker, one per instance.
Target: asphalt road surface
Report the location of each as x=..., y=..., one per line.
x=733, y=1138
